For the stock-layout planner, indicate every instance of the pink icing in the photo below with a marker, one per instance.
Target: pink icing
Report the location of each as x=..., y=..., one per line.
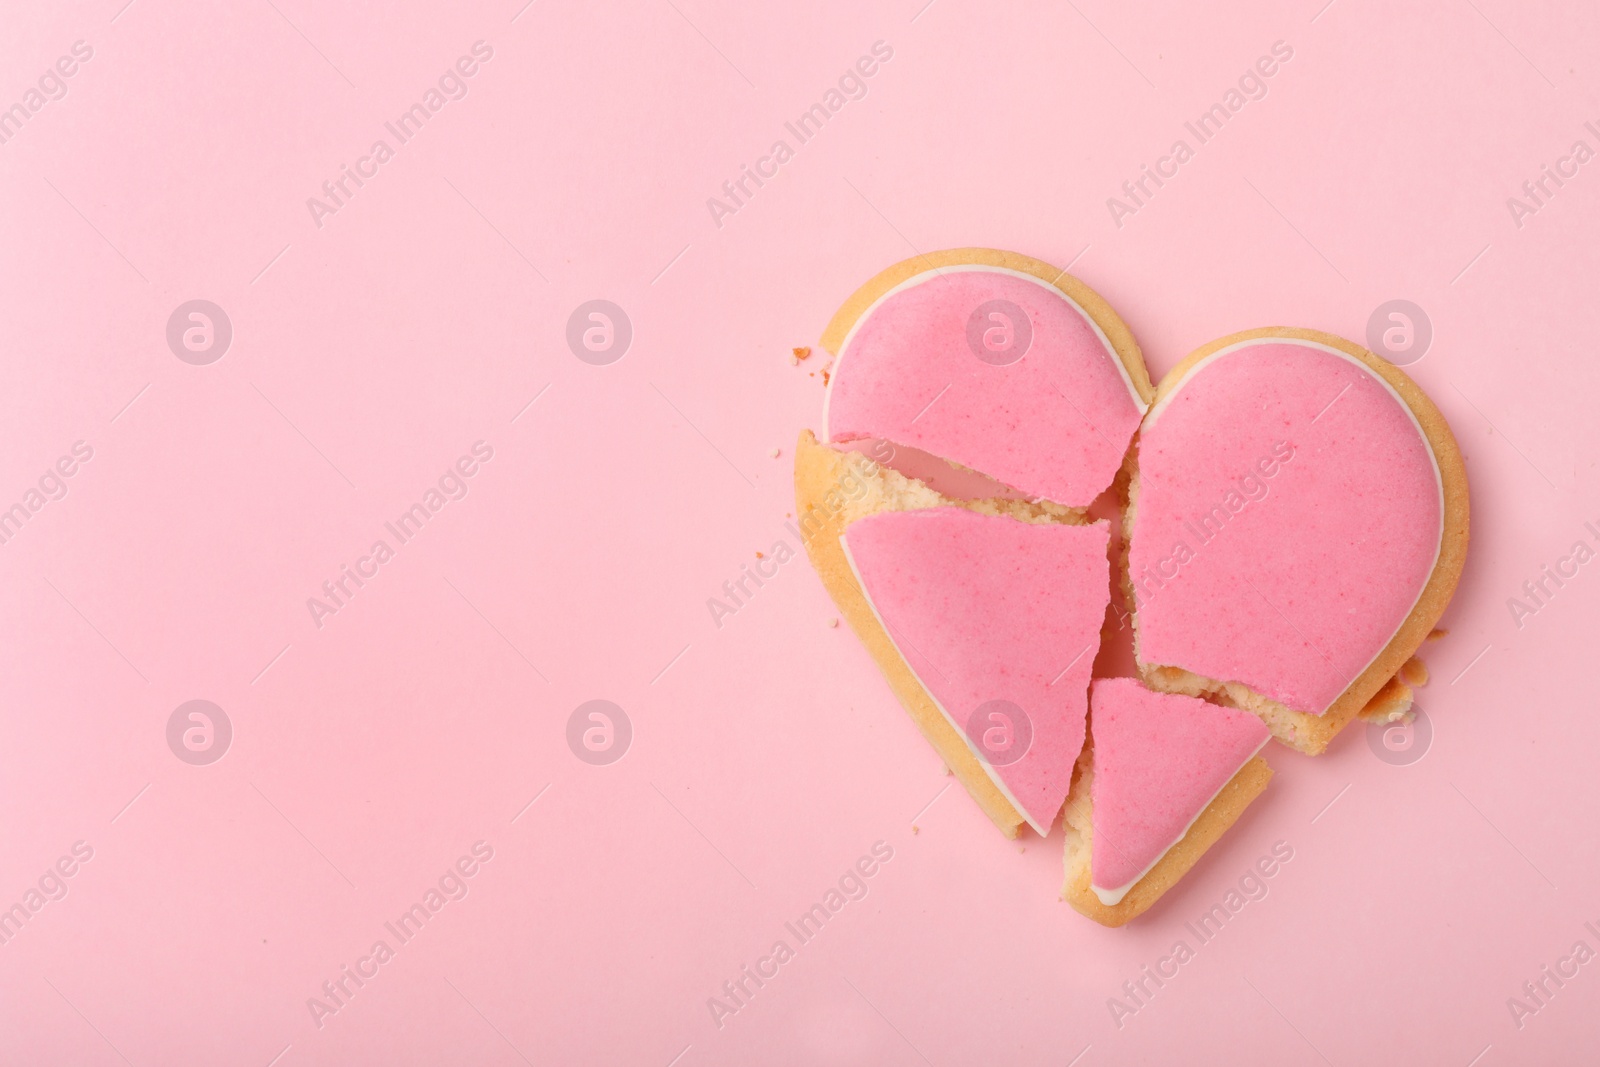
x=1325, y=517
x=1159, y=759
x=987, y=608
x=1054, y=424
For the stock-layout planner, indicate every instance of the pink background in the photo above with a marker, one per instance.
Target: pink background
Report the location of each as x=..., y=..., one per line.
x=767, y=755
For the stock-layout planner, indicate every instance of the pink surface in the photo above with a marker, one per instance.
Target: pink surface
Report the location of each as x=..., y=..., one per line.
x=1000, y=620
x=1289, y=515
x=1159, y=759
x=767, y=757
x=1045, y=408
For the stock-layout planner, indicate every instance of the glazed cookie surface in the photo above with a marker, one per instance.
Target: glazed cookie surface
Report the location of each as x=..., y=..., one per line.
x=992, y=361
x=1159, y=761
x=999, y=620
x=1298, y=522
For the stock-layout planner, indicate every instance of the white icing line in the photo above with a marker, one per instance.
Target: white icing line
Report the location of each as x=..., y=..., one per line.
x=1112, y=897
x=1438, y=478
x=988, y=769
x=928, y=275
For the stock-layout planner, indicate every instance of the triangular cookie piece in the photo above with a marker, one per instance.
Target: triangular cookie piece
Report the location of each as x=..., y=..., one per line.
x=1164, y=777
x=999, y=620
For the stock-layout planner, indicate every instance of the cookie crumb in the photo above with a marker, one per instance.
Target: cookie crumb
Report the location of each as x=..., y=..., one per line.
x=1021, y=849
x=760, y=554
x=915, y=829
x=1437, y=633
x=775, y=453
x=944, y=770
x=825, y=375
x=833, y=623
x=803, y=352
x=1414, y=672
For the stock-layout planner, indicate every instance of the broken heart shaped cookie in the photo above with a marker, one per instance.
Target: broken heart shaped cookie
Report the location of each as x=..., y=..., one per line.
x=1293, y=523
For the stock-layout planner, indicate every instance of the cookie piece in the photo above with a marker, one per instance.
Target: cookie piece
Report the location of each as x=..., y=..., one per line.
x=834, y=489
x=1163, y=778
x=993, y=361
x=1000, y=621
x=1297, y=524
